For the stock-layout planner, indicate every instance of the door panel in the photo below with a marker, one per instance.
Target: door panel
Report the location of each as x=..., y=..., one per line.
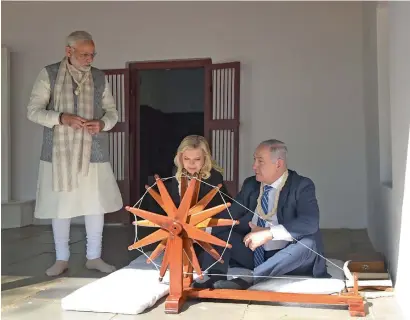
x=119, y=140
x=222, y=83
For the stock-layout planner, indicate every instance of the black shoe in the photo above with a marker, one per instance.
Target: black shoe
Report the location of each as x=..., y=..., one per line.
x=234, y=284
x=207, y=283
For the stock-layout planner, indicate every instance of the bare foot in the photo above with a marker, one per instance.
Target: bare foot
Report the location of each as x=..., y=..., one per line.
x=57, y=268
x=100, y=265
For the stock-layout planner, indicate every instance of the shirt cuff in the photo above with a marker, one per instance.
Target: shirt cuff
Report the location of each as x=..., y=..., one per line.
x=279, y=232
x=51, y=119
x=107, y=123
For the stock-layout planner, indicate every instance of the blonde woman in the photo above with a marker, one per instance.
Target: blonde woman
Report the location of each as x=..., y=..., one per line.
x=194, y=157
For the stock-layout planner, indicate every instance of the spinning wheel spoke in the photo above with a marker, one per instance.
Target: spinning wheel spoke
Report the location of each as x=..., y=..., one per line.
x=162, y=221
x=169, y=205
x=152, y=238
x=184, y=186
x=164, y=264
x=211, y=222
x=157, y=198
x=200, y=235
x=204, y=201
x=145, y=223
x=158, y=250
x=195, y=195
x=208, y=248
x=193, y=259
x=183, y=209
x=208, y=213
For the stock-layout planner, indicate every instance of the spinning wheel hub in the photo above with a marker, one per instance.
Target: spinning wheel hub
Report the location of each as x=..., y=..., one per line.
x=176, y=228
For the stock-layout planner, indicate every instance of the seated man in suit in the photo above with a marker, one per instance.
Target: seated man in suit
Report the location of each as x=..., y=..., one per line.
x=282, y=237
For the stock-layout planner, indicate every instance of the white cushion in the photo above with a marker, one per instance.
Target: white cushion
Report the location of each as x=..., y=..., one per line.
x=297, y=284
x=130, y=290
x=135, y=288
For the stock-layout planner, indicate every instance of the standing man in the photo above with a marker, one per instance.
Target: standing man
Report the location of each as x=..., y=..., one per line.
x=72, y=101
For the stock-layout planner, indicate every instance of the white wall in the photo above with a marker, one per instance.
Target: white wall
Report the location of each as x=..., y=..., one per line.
x=399, y=209
x=386, y=102
x=370, y=102
x=302, y=78
x=5, y=126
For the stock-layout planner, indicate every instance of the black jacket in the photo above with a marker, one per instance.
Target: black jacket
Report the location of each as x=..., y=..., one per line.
x=214, y=179
x=172, y=186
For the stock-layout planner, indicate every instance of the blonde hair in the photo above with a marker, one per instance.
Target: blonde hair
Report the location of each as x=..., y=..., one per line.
x=195, y=142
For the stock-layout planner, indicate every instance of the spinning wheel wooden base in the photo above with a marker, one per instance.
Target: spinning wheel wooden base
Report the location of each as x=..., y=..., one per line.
x=182, y=227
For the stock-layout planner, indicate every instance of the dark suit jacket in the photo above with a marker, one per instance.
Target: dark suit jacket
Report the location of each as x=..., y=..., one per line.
x=298, y=212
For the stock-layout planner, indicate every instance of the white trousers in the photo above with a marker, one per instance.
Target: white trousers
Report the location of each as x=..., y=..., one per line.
x=94, y=225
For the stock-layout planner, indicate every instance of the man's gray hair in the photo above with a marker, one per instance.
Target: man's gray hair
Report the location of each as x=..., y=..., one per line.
x=277, y=148
x=76, y=36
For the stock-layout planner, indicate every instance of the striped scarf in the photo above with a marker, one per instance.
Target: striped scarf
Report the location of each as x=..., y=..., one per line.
x=71, y=147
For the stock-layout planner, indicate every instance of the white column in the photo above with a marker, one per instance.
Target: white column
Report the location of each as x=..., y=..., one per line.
x=14, y=213
x=399, y=61
x=5, y=126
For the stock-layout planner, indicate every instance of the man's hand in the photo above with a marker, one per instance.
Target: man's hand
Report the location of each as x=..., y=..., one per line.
x=72, y=120
x=257, y=237
x=94, y=126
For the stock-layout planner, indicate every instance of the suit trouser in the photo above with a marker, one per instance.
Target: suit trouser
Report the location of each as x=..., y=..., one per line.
x=94, y=225
x=294, y=259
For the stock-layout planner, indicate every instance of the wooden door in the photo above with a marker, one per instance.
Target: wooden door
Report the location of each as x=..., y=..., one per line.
x=119, y=140
x=137, y=186
x=222, y=83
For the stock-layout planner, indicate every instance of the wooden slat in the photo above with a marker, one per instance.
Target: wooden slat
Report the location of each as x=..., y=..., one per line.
x=255, y=295
x=222, y=119
x=167, y=64
x=119, y=127
x=118, y=81
x=224, y=124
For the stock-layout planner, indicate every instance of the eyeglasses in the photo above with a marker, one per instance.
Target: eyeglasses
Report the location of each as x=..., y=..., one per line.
x=85, y=55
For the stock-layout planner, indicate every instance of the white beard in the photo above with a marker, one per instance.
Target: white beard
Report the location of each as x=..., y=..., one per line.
x=76, y=65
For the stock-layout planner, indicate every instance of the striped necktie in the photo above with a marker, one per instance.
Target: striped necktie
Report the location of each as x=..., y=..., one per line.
x=259, y=253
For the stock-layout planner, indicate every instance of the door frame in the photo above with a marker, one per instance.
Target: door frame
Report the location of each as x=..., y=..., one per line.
x=134, y=68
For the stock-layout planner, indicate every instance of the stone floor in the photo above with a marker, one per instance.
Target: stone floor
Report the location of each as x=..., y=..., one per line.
x=28, y=294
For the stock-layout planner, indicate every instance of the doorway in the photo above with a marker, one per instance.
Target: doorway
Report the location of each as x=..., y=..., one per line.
x=171, y=107
x=157, y=95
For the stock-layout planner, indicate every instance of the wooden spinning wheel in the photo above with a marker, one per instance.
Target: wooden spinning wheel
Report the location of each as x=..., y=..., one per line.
x=178, y=231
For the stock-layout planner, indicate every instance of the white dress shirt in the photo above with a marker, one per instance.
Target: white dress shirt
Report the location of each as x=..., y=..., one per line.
x=280, y=235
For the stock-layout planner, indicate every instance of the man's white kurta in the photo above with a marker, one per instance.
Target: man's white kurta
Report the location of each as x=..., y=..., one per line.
x=98, y=192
